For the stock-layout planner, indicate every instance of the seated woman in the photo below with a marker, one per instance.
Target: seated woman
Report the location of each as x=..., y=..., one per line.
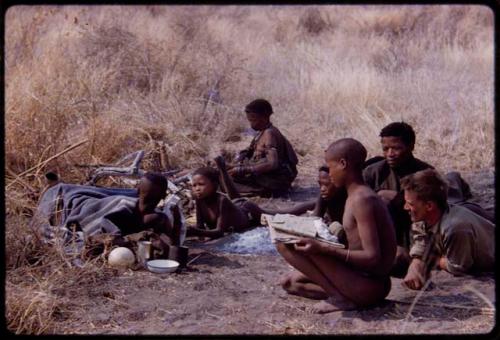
x=269, y=165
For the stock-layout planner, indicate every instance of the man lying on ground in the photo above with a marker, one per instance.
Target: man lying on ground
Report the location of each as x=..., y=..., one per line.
x=448, y=237
x=269, y=165
x=358, y=276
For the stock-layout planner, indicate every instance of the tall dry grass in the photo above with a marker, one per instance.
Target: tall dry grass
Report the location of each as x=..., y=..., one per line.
x=127, y=77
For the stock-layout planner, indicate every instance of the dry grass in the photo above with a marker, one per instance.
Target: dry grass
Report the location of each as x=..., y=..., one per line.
x=41, y=281
x=127, y=77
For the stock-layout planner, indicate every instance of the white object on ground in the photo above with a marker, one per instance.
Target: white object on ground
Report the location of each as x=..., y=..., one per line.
x=121, y=257
x=162, y=266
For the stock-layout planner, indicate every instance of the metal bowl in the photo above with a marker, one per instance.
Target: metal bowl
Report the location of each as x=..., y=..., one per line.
x=162, y=266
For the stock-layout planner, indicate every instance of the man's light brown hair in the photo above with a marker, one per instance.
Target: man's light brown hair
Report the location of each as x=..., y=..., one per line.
x=429, y=185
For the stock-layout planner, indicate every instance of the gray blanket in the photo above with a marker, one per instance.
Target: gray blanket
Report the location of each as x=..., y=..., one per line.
x=85, y=206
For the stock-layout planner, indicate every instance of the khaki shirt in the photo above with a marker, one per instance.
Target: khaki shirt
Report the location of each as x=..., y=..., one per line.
x=466, y=239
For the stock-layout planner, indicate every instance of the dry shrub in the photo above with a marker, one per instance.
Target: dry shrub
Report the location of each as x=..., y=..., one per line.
x=125, y=77
x=313, y=21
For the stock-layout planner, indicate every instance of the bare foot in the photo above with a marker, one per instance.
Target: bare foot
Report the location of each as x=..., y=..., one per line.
x=220, y=161
x=332, y=305
x=285, y=280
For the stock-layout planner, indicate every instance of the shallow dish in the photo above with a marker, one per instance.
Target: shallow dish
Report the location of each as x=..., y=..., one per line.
x=162, y=266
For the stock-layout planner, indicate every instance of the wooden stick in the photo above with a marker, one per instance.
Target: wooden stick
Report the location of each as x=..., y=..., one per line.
x=196, y=258
x=16, y=177
x=482, y=310
x=48, y=160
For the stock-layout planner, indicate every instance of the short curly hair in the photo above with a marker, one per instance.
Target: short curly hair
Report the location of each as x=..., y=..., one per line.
x=160, y=182
x=210, y=173
x=401, y=130
x=350, y=149
x=260, y=107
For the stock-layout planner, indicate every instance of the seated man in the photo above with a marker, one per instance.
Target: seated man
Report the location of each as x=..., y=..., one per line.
x=384, y=176
x=114, y=211
x=448, y=237
x=268, y=166
x=359, y=275
x=398, y=141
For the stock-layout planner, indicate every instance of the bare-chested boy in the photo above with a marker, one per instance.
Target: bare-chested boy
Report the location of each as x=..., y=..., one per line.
x=358, y=276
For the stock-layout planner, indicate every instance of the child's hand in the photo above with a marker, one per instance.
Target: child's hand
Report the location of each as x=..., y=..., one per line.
x=308, y=246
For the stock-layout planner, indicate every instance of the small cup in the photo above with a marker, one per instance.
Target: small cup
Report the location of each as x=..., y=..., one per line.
x=144, y=252
x=179, y=254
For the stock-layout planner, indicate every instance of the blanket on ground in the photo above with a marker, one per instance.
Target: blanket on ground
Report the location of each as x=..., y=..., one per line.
x=87, y=207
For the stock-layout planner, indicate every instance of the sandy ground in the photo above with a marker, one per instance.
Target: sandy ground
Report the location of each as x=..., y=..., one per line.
x=226, y=293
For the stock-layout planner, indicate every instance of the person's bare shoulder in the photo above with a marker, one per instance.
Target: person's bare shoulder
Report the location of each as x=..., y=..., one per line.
x=270, y=137
x=365, y=197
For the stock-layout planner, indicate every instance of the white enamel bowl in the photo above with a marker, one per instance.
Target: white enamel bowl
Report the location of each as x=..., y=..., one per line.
x=162, y=266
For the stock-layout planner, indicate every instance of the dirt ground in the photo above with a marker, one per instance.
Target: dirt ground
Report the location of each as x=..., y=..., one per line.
x=225, y=293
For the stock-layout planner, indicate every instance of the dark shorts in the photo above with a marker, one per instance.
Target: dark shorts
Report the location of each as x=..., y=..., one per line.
x=242, y=204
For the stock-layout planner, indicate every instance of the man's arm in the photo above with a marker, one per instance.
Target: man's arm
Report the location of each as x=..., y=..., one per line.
x=297, y=209
x=388, y=196
x=269, y=163
x=369, y=256
x=416, y=275
x=419, y=240
x=419, y=270
x=320, y=207
x=369, y=177
x=459, y=248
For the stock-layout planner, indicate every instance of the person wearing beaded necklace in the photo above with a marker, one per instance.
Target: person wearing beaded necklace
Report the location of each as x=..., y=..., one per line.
x=269, y=165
